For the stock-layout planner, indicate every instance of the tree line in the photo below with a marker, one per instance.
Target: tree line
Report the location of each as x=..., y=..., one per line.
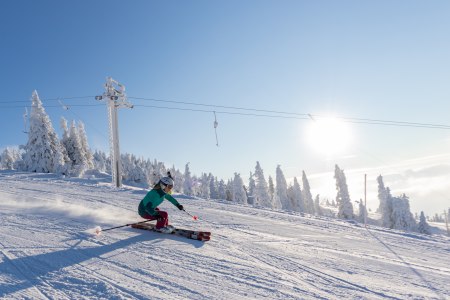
x=71, y=156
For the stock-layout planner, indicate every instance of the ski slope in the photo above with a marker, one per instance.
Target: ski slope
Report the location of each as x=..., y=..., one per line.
x=48, y=251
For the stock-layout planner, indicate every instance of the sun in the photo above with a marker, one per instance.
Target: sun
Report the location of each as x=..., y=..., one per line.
x=329, y=135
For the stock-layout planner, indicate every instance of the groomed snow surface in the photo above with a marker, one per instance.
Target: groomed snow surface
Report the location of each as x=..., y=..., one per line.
x=48, y=250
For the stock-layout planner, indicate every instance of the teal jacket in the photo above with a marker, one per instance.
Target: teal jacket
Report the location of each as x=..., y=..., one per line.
x=151, y=201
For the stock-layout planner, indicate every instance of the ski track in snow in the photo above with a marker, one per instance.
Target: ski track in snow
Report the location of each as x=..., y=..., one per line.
x=48, y=251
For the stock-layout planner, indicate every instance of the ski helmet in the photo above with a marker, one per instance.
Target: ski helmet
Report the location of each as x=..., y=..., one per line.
x=166, y=181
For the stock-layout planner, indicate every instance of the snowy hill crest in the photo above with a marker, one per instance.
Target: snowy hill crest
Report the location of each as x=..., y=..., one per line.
x=46, y=251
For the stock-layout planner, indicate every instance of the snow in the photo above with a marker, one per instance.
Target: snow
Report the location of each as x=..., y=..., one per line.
x=48, y=250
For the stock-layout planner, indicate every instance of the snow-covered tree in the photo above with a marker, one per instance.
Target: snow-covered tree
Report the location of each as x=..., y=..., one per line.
x=213, y=187
x=64, y=142
x=188, y=183
x=133, y=170
x=345, y=207
x=100, y=161
x=401, y=214
x=76, y=152
x=261, y=188
x=239, y=194
x=306, y=195
x=204, y=186
x=229, y=190
x=423, y=226
x=84, y=144
x=385, y=208
x=222, y=189
x=317, y=208
x=271, y=188
x=299, y=204
x=43, y=150
x=9, y=158
x=281, y=190
x=251, y=190
x=157, y=170
x=362, y=212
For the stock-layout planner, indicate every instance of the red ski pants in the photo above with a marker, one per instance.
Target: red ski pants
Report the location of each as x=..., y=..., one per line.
x=163, y=218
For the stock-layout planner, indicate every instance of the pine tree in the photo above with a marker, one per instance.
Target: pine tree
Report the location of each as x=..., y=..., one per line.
x=423, y=226
x=251, y=190
x=43, y=150
x=222, y=190
x=271, y=188
x=188, y=183
x=204, y=187
x=261, y=189
x=84, y=144
x=345, y=207
x=362, y=212
x=229, y=190
x=401, y=214
x=76, y=152
x=317, y=208
x=385, y=208
x=239, y=194
x=299, y=204
x=64, y=143
x=281, y=190
x=100, y=161
x=306, y=195
x=213, y=187
x=8, y=158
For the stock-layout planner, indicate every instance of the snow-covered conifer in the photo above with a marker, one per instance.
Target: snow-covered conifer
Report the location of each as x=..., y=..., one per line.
x=8, y=158
x=188, y=183
x=362, y=212
x=401, y=214
x=306, y=195
x=229, y=190
x=204, y=187
x=64, y=142
x=251, y=190
x=271, y=188
x=345, y=207
x=84, y=144
x=76, y=152
x=317, y=208
x=423, y=226
x=43, y=150
x=281, y=190
x=239, y=194
x=261, y=188
x=385, y=208
x=213, y=187
x=299, y=204
x=100, y=161
x=222, y=190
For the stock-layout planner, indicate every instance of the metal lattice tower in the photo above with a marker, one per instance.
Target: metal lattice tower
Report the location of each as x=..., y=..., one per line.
x=115, y=98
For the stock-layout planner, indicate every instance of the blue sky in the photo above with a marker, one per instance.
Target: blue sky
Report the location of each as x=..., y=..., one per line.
x=384, y=60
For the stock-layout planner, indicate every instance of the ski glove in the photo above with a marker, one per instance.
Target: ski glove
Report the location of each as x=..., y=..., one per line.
x=180, y=207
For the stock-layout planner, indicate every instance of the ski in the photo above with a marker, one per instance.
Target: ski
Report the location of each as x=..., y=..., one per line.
x=190, y=234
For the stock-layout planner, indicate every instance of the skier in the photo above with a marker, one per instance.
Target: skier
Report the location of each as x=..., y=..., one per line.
x=148, y=207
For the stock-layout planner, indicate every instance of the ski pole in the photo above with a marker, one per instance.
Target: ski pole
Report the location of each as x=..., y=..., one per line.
x=99, y=229
x=193, y=217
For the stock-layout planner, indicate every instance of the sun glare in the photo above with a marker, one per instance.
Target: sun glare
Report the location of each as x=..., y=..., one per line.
x=329, y=135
